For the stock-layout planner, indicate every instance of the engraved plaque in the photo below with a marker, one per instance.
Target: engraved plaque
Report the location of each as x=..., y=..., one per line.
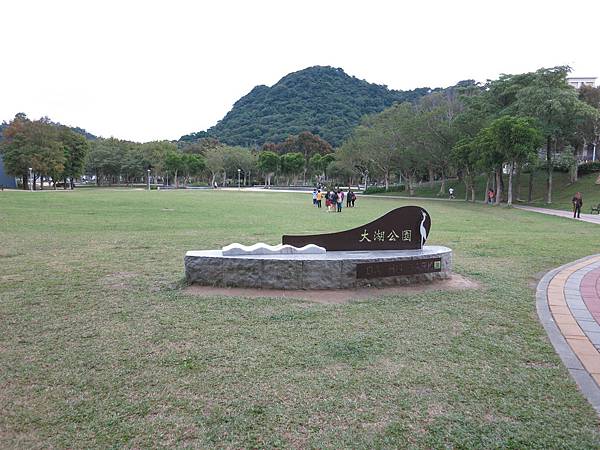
x=398, y=268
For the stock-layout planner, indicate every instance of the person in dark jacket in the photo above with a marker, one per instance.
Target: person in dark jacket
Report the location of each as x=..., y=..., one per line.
x=577, y=204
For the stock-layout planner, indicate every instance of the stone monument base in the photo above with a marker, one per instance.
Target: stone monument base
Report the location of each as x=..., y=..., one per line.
x=330, y=270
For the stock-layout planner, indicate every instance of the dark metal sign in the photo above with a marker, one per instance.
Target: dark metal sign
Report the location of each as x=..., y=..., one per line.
x=398, y=268
x=405, y=228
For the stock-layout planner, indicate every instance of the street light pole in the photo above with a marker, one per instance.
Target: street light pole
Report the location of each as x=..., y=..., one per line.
x=239, y=174
x=30, y=179
x=148, y=179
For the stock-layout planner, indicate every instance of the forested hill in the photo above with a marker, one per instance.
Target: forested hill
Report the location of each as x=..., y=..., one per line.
x=77, y=130
x=323, y=100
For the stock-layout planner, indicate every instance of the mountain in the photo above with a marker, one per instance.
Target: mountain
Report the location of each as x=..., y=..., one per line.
x=321, y=99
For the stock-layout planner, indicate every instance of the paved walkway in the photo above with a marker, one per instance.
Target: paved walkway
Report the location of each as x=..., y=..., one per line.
x=568, y=305
x=592, y=218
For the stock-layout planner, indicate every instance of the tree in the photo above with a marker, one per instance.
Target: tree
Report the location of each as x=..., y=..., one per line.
x=76, y=148
x=588, y=132
x=16, y=148
x=555, y=105
x=268, y=163
x=516, y=139
x=104, y=160
x=308, y=145
x=352, y=157
x=215, y=163
x=154, y=154
x=235, y=158
x=193, y=165
x=377, y=136
x=248, y=160
x=435, y=117
x=175, y=164
x=319, y=164
x=292, y=163
x=466, y=156
x=36, y=145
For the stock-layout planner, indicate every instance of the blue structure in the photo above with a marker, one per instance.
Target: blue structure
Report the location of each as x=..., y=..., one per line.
x=6, y=180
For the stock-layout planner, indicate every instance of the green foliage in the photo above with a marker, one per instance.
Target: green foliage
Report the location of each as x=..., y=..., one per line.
x=321, y=162
x=382, y=189
x=563, y=162
x=49, y=149
x=323, y=100
x=268, y=161
x=515, y=139
x=291, y=163
x=305, y=143
x=76, y=147
x=589, y=167
x=174, y=162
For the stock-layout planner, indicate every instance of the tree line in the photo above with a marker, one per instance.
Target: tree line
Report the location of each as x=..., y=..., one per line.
x=41, y=149
x=497, y=129
x=59, y=155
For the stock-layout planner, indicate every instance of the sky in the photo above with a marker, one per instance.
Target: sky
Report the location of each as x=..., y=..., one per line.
x=153, y=70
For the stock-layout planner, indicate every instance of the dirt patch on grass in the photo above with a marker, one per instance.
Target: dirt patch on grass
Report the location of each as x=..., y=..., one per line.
x=336, y=296
x=117, y=280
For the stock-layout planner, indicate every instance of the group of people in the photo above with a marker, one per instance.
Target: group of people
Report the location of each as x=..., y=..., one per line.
x=334, y=199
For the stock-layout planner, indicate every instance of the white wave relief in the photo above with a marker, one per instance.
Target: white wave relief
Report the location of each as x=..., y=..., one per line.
x=261, y=248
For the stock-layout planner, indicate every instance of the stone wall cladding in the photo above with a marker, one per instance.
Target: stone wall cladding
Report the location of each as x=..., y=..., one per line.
x=334, y=270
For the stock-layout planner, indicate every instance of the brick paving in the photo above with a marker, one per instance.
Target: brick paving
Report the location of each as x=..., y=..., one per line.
x=568, y=303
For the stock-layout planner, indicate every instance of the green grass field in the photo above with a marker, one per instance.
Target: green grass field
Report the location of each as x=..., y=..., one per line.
x=101, y=347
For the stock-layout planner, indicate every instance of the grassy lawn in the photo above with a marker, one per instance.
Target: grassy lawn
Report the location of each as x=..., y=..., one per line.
x=100, y=347
x=562, y=192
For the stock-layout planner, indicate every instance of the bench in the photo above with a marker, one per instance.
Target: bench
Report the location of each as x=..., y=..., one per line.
x=595, y=209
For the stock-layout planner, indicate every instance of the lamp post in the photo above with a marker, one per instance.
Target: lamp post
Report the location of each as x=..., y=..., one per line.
x=30, y=179
x=148, y=179
x=239, y=175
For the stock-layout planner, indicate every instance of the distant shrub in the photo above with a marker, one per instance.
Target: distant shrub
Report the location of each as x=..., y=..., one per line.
x=381, y=189
x=588, y=167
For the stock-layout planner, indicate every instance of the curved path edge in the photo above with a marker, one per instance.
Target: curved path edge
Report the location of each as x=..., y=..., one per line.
x=586, y=382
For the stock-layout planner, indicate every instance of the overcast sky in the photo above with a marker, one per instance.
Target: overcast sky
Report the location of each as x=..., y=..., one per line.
x=159, y=69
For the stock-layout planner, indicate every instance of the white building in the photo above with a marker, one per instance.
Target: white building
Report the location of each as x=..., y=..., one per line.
x=577, y=82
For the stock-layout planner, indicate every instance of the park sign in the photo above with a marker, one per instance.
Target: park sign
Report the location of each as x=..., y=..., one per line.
x=404, y=228
x=389, y=251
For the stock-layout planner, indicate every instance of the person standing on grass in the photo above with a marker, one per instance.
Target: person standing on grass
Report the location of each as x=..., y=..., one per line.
x=333, y=200
x=340, y=200
x=348, y=198
x=319, y=197
x=490, y=197
x=577, y=201
x=314, y=197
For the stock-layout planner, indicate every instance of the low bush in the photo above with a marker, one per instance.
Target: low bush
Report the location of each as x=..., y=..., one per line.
x=588, y=167
x=381, y=189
